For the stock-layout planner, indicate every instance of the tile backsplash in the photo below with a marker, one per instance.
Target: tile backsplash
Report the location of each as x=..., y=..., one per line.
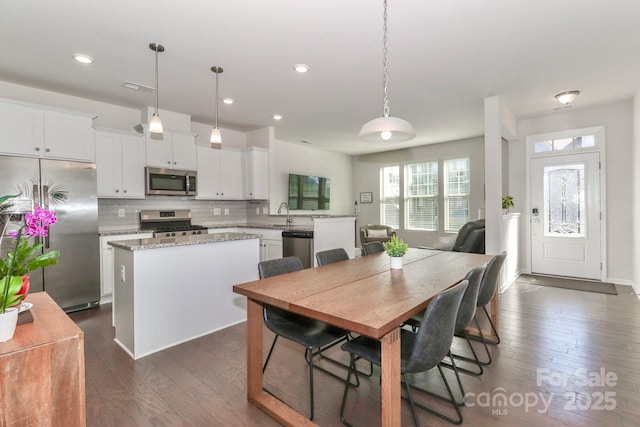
x=116, y=214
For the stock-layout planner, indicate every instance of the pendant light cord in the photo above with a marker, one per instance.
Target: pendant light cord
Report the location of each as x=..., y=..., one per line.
x=385, y=109
x=216, y=100
x=156, y=49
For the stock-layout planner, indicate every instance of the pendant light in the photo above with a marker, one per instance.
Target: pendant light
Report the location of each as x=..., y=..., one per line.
x=216, y=138
x=386, y=128
x=155, y=124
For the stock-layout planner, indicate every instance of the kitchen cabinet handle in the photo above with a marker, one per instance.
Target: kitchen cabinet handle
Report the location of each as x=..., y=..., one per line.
x=117, y=191
x=169, y=162
x=37, y=148
x=125, y=191
x=47, y=150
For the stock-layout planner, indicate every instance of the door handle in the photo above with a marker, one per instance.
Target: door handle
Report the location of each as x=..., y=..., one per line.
x=45, y=205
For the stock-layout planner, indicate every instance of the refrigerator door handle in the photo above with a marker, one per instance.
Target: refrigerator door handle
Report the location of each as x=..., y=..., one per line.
x=45, y=205
x=36, y=202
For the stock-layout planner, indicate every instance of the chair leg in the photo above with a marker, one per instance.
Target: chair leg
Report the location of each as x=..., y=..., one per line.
x=410, y=398
x=475, y=359
x=308, y=355
x=266, y=362
x=319, y=353
x=352, y=367
x=493, y=329
x=451, y=400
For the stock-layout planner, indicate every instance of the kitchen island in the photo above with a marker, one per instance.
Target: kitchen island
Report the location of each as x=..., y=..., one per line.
x=171, y=290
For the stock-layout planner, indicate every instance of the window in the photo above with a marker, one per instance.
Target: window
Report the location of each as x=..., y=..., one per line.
x=390, y=196
x=456, y=194
x=421, y=196
x=565, y=144
x=416, y=188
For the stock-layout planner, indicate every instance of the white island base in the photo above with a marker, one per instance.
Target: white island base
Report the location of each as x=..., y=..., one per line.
x=165, y=296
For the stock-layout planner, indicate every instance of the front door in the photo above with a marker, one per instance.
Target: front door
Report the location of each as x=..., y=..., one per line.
x=565, y=215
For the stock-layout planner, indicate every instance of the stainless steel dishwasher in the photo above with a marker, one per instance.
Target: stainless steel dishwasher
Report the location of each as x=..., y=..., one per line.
x=298, y=243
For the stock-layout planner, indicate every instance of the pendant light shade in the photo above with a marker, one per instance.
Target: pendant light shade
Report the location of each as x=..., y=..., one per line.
x=216, y=137
x=386, y=128
x=155, y=124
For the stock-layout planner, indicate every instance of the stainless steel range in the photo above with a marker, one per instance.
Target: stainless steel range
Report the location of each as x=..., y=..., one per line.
x=170, y=223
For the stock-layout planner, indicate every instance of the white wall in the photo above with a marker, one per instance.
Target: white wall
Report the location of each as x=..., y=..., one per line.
x=620, y=193
x=367, y=179
x=286, y=158
x=636, y=187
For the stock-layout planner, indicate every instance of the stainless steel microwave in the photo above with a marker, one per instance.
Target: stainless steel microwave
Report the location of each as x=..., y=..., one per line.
x=171, y=182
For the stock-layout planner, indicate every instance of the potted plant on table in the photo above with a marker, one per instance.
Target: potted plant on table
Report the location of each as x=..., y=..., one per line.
x=396, y=248
x=20, y=260
x=507, y=202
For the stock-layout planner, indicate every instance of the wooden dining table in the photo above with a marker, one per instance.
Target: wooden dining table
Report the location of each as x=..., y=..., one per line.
x=361, y=295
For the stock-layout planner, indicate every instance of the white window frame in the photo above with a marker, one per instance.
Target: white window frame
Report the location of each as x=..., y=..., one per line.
x=445, y=178
x=406, y=197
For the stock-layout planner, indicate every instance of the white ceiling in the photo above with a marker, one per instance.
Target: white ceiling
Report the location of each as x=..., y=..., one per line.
x=445, y=57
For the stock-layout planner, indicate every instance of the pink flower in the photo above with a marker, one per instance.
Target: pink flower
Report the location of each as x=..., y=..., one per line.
x=38, y=222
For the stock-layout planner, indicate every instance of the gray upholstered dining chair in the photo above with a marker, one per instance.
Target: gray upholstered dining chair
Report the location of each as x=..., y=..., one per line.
x=466, y=313
x=488, y=287
x=420, y=351
x=312, y=334
x=331, y=256
x=372, y=248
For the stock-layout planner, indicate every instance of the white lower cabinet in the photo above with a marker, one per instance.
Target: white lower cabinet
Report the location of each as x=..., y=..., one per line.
x=106, y=259
x=270, y=249
x=270, y=242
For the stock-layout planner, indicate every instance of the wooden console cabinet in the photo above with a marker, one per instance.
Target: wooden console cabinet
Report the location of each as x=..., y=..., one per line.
x=42, y=381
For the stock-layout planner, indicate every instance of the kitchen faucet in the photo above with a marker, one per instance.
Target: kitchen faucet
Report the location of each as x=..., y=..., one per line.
x=289, y=220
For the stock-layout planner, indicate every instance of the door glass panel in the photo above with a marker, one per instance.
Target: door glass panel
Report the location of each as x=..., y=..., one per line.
x=564, y=201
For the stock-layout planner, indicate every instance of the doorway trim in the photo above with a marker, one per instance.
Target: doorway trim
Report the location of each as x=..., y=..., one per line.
x=599, y=147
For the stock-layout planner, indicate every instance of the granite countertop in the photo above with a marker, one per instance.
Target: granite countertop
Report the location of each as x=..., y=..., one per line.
x=264, y=226
x=170, y=242
x=123, y=232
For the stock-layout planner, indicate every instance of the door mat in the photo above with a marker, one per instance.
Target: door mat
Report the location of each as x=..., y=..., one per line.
x=575, y=284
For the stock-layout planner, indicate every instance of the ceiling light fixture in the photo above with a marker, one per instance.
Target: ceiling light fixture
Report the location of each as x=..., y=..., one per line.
x=301, y=68
x=216, y=137
x=568, y=96
x=155, y=124
x=228, y=101
x=82, y=58
x=277, y=117
x=386, y=128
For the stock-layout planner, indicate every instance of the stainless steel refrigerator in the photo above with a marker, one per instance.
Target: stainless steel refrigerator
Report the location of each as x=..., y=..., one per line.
x=69, y=189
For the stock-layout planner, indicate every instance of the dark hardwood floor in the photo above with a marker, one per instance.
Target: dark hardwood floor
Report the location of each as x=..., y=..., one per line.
x=548, y=370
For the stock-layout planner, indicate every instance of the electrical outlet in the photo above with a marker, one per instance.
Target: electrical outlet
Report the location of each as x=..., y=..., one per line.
x=216, y=211
x=122, y=275
x=265, y=210
x=257, y=211
x=121, y=213
x=226, y=211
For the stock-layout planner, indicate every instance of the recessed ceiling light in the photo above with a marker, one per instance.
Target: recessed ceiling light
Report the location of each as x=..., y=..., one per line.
x=301, y=68
x=277, y=117
x=138, y=86
x=228, y=101
x=82, y=58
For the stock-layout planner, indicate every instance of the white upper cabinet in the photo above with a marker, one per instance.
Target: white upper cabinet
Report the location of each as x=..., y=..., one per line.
x=171, y=150
x=120, y=161
x=256, y=170
x=220, y=174
x=30, y=130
